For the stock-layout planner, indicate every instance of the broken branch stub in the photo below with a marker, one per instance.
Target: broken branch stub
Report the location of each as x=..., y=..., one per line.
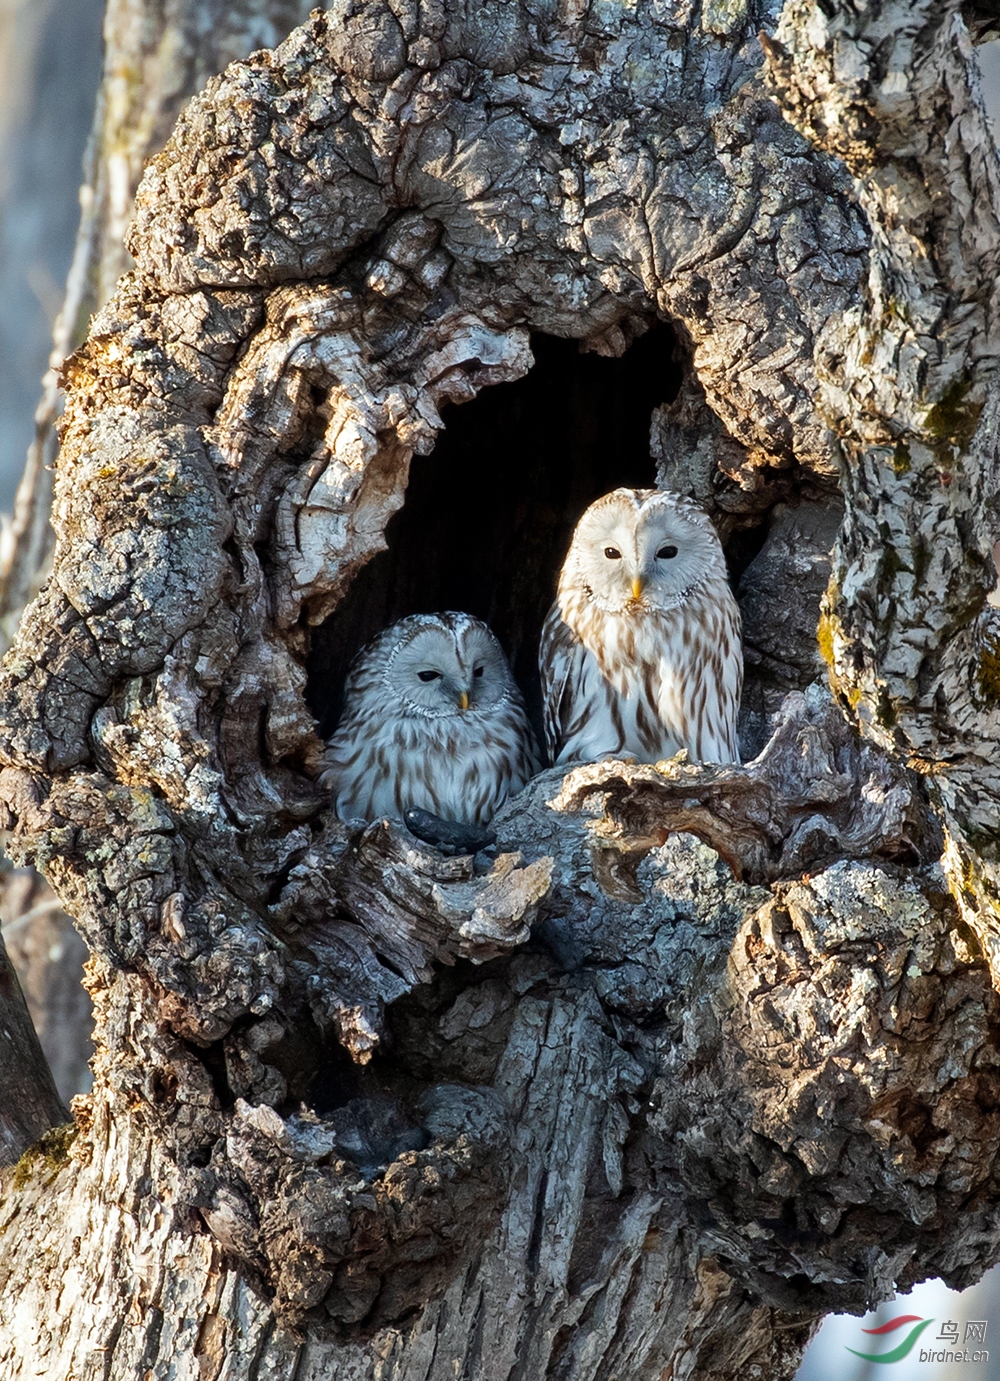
x=729, y=1016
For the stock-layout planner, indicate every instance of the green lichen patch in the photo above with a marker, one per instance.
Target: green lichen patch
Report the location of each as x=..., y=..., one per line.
x=952, y=420
x=988, y=671
x=828, y=630
x=825, y=635
x=829, y=625
x=45, y=1156
x=723, y=16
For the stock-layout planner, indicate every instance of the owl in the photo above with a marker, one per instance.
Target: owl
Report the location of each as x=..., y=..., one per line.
x=641, y=651
x=432, y=720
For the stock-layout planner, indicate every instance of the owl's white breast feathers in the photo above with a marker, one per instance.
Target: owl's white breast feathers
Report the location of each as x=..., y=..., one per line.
x=459, y=769
x=643, y=682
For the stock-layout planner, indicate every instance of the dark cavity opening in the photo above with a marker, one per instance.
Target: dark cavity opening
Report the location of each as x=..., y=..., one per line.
x=489, y=513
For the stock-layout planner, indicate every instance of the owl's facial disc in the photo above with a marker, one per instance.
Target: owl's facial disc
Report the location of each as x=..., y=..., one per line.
x=439, y=673
x=643, y=554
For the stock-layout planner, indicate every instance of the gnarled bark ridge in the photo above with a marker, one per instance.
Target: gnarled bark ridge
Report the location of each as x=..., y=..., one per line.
x=157, y=54
x=692, y=1055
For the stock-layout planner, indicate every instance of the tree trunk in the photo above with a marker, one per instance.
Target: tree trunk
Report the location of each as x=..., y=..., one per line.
x=693, y=1054
x=157, y=55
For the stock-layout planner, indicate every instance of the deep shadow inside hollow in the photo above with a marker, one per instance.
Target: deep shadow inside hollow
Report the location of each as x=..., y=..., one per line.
x=489, y=513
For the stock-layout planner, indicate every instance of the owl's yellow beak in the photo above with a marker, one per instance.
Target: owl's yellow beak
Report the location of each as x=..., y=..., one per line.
x=463, y=700
x=637, y=587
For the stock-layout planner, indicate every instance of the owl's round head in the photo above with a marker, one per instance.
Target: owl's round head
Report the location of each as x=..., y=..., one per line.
x=439, y=665
x=642, y=549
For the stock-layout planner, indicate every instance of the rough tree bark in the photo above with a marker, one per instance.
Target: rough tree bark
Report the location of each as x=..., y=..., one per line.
x=157, y=55
x=692, y=1055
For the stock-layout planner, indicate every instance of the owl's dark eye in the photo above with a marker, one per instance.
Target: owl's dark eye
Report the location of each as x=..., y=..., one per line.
x=429, y=675
x=612, y=553
x=665, y=553
x=477, y=671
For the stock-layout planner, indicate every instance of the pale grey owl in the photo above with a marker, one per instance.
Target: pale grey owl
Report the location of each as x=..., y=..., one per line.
x=641, y=651
x=432, y=720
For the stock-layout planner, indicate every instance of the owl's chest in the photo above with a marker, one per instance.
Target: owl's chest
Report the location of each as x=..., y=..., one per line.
x=634, y=654
x=644, y=699
x=449, y=766
x=631, y=690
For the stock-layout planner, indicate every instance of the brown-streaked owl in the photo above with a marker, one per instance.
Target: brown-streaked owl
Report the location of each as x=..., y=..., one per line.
x=641, y=651
x=432, y=719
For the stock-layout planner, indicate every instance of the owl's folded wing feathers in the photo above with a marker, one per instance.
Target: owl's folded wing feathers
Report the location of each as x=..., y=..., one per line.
x=560, y=660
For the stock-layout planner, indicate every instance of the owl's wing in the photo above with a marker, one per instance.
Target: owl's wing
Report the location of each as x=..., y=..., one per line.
x=559, y=654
